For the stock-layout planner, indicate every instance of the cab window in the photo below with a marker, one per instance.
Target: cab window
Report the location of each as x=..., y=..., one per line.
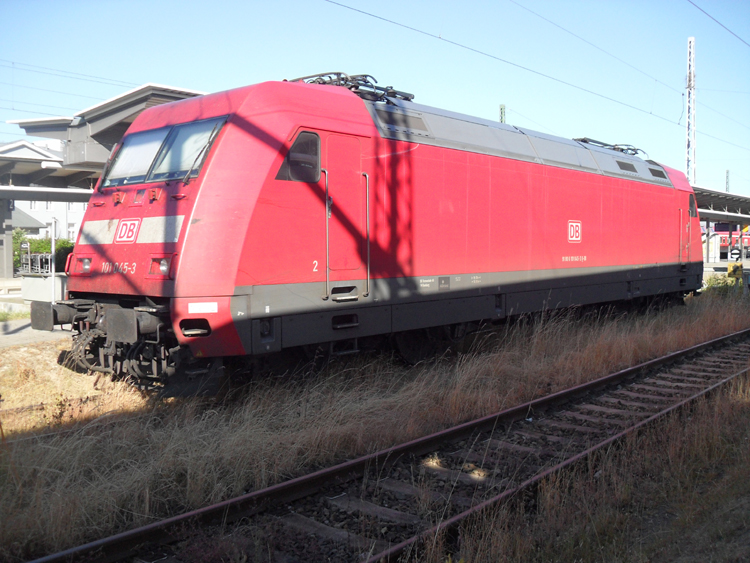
x=135, y=157
x=302, y=162
x=164, y=154
x=184, y=150
x=693, y=206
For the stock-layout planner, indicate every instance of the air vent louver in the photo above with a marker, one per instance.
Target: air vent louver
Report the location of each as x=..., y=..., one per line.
x=657, y=173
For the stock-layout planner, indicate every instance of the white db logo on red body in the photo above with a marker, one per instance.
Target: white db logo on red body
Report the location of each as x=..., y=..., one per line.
x=127, y=230
x=574, y=231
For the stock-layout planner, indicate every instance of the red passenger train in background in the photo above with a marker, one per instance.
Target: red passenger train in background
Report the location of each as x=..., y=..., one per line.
x=731, y=244
x=329, y=210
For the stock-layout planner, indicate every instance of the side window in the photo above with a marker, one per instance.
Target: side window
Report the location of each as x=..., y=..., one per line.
x=302, y=163
x=693, y=206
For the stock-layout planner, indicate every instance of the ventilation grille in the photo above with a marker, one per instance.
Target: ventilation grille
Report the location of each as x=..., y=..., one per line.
x=657, y=173
x=626, y=166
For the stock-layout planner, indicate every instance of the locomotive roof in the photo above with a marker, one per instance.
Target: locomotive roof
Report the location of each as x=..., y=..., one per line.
x=397, y=117
x=408, y=121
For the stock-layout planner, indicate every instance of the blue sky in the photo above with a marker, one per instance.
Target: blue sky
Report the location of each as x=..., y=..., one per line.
x=615, y=71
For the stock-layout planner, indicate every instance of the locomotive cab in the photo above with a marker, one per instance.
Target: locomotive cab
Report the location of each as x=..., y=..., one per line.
x=125, y=261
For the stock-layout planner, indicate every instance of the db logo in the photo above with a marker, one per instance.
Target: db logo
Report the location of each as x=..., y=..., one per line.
x=574, y=231
x=127, y=230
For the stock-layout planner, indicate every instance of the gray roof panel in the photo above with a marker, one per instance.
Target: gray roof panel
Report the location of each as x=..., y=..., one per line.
x=556, y=151
x=406, y=121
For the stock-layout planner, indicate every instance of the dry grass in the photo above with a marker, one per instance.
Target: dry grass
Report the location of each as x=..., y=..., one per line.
x=30, y=375
x=103, y=477
x=679, y=491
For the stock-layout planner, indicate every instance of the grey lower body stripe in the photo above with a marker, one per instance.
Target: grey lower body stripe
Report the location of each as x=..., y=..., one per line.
x=400, y=304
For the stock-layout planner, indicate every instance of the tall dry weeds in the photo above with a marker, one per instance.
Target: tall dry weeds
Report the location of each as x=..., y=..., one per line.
x=107, y=476
x=677, y=491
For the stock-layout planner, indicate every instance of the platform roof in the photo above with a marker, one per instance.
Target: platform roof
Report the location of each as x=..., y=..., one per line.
x=37, y=193
x=718, y=206
x=86, y=140
x=118, y=113
x=25, y=163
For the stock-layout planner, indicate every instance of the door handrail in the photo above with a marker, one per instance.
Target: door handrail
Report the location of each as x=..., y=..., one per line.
x=328, y=263
x=367, y=216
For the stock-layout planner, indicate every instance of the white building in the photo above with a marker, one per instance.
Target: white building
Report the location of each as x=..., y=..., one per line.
x=66, y=216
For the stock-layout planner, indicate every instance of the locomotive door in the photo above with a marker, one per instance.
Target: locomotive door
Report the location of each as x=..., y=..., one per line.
x=345, y=212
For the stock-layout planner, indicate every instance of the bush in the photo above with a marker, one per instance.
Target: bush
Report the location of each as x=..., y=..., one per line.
x=19, y=236
x=721, y=284
x=63, y=247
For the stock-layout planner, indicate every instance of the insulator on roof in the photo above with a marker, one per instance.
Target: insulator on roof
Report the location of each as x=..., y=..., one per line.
x=626, y=149
x=364, y=85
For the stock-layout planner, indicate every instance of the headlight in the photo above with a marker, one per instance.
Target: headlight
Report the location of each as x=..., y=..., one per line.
x=81, y=265
x=160, y=266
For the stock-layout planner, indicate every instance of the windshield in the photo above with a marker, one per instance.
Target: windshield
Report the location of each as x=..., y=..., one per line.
x=135, y=157
x=163, y=154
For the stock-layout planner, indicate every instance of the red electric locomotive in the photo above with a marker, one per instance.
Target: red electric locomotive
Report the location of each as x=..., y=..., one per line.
x=328, y=210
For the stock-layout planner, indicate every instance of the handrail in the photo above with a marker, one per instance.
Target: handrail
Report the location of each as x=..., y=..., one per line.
x=328, y=216
x=367, y=195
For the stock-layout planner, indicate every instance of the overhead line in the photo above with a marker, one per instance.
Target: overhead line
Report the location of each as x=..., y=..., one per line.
x=596, y=47
x=47, y=90
x=717, y=21
x=483, y=53
x=28, y=111
x=105, y=81
x=703, y=105
x=725, y=91
x=38, y=105
x=73, y=74
x=722, y=140
x=488, y=55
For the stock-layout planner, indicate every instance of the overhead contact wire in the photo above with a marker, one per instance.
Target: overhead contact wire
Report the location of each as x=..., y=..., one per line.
x=65, y=74
x=626, y=63
x=538, y=73
x=47, y=90
x=717, y=21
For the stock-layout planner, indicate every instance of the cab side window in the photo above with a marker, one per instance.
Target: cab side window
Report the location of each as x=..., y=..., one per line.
x=302, y=163
x=693, y=206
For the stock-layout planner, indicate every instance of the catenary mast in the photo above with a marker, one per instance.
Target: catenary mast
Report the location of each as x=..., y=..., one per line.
x=690, y=130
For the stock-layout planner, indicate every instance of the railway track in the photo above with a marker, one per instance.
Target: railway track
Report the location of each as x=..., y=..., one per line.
x=382, y=506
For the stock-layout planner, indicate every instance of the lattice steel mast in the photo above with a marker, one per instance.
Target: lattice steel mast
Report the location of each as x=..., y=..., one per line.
x=690, y=128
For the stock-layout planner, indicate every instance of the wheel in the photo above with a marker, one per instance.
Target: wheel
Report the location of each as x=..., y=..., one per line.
x=415, y=346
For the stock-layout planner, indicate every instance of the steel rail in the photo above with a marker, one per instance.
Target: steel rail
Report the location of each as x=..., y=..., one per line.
x=123, y=544
x=451, y=523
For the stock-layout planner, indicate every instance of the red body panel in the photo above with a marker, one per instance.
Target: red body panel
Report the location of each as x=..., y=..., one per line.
x=436, y=213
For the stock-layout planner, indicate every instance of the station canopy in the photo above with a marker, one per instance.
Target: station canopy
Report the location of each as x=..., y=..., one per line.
x=723, y=207
x=67, y=168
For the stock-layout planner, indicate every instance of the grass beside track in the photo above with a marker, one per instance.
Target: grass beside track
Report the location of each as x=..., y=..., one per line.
x=14, y=315
x=161, y=459
x=678, y=491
